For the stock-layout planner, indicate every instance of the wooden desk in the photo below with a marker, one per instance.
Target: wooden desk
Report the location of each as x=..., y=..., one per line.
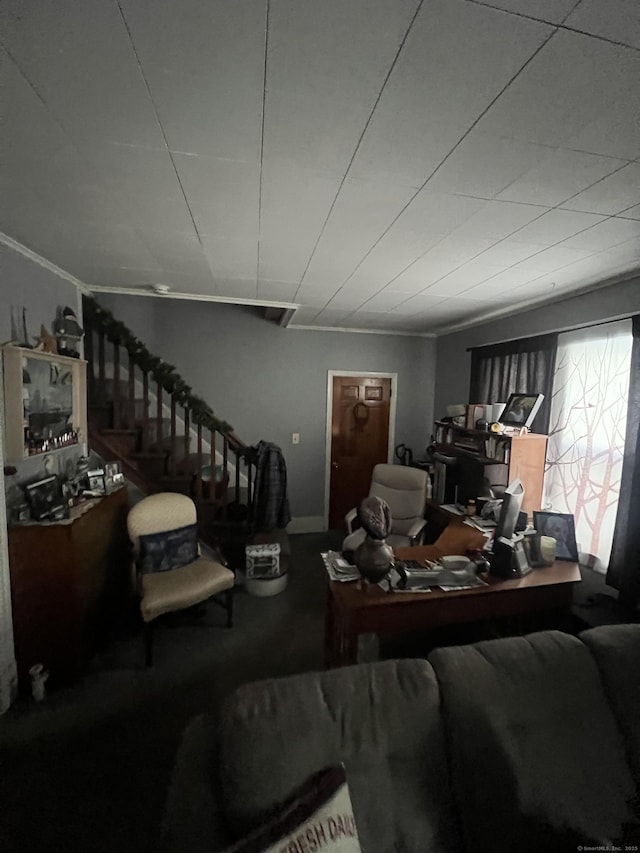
x=354, y=608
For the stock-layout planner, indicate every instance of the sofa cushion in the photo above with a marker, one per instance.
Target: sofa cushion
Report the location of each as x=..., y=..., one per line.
x=536, y=758
x=381, y=720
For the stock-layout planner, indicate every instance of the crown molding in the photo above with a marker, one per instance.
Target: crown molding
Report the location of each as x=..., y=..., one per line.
x=536, y=302
x=352, y=331
x=194, y=297
x=28, y=253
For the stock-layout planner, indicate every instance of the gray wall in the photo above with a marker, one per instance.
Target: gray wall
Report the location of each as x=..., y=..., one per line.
x=24, y=283
x=268, y=381
x=453, y=362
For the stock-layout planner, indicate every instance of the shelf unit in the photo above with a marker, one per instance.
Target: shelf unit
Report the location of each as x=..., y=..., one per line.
x=508, y=456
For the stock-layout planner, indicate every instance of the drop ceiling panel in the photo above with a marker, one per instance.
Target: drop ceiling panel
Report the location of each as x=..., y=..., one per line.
x=616, y=132
x=618, y=20
x=610, y=195
x=605, y=234
x=560, y=175
x=463, y=279
x=230, y=258
x=294, y=204
x=631, y=212
x=326, y=64
x=484, y=165
x=223, y=195
x=78, y=57
x=364, y=210
x=554, y=226
x=554, y=11
x=417, y=121
x=213, y=115
x=568, y=84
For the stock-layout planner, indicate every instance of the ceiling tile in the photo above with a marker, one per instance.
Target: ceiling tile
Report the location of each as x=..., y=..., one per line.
x=79, y=58
x=560, y=175
x=364, y=210
x=618, y=20
x=417, y=121
x=570, y=83
x=484, y=165
x=222, y=194
x=631, y=212
x=554, y=226
x=604, y=235
x=543, y=10
x=325, y=67
x=231, y=259
x=610, y=195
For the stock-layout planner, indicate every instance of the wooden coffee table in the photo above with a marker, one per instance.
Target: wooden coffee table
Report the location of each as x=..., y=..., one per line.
x=357, y=608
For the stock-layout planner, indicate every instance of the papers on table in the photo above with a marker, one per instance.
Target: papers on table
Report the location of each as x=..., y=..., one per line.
x=452, y=508
x=338, y=568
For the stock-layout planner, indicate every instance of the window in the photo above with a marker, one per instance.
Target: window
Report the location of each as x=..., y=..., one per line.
x=587, y=432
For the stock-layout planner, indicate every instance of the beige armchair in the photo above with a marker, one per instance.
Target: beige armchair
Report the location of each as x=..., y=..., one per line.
x=405, y=491
x=163, y=531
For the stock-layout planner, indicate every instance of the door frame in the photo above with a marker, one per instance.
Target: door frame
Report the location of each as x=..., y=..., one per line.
x=392, y=423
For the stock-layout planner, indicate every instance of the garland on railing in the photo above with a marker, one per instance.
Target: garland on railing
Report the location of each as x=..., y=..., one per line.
x=102, y=320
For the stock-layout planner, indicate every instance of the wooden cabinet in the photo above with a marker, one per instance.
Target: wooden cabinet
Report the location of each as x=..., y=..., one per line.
x=69, y=584
x=503, y=457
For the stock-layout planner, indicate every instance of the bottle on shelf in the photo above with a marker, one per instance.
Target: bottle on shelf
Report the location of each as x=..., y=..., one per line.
x=471, y=508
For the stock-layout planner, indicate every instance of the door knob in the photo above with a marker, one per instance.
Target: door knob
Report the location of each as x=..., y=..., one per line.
x=334, y=464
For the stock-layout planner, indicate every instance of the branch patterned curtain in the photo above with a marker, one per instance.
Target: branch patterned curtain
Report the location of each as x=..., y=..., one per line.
x=624, y=565
x=587, y=433
x=515, y=367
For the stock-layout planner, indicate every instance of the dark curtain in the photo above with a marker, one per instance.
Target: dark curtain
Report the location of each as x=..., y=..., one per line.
x=516, y=367
x=624, y=565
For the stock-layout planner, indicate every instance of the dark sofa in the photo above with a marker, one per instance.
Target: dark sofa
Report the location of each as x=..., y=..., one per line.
x=524, y=743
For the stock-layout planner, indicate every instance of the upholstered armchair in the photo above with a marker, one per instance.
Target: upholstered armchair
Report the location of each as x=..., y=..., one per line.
x=170, y=572
x=405, y=491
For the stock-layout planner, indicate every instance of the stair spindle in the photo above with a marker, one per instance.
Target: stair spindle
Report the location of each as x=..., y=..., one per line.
x=158, y=418
x=198, y=483
x=102, y=381
x=131, y=415
x=186, y=413
x=225, y=476
x=174, y=443
x=117, y=419
x=145, y=411
x=212, y=464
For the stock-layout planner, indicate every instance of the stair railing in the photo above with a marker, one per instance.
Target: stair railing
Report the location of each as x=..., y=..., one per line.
x=105, y=336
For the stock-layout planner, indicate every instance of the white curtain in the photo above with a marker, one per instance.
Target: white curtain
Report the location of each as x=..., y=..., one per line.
x=587, y=432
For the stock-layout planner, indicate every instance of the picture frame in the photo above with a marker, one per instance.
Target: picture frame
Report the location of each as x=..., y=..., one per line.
x=531, y=543
x=561, y=527
x=113, y=477
x=520, y=558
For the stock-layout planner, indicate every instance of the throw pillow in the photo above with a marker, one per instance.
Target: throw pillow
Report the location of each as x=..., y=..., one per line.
x=318, y=816
x=170, y=549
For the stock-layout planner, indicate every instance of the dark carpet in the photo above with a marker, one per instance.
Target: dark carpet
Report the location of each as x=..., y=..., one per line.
x=88, y=768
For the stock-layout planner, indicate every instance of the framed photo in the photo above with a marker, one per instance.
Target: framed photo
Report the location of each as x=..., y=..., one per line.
x=520, y=559
x=561, y=526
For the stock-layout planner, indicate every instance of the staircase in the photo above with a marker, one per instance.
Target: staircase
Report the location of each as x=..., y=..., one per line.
x=142, y=414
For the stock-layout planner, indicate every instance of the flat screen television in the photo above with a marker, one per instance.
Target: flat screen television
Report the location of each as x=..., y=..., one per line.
x=521, y=409
x=510, y=510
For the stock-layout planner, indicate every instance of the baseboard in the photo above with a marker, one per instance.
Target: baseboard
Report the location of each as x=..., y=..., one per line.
x=307, y=524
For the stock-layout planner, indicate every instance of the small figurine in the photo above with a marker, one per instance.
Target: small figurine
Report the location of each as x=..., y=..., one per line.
x=46, y=342
x=68, y=332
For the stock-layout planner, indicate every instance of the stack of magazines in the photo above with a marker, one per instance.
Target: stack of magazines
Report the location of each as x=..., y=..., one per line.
x=338, y=568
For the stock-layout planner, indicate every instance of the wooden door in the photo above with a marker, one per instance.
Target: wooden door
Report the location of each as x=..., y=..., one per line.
x=359, y=439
